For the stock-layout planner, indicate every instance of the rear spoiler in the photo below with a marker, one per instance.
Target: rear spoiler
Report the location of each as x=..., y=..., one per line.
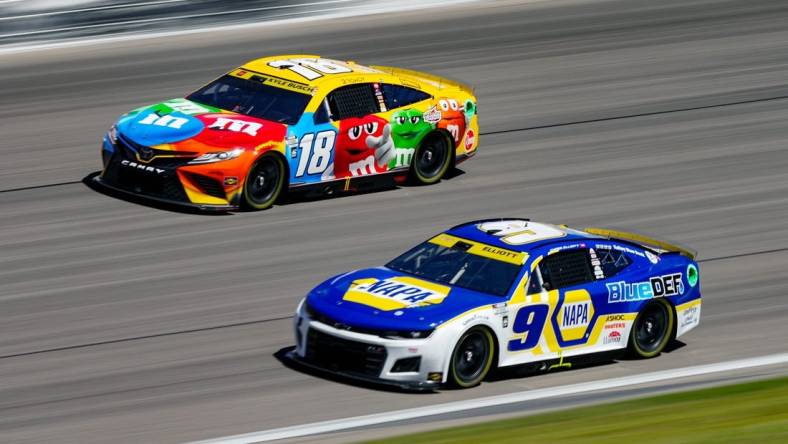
x=437, y=81
x=643, y=240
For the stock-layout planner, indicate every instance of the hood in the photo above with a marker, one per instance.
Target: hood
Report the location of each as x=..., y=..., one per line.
x=182, y=125
x=383, y=299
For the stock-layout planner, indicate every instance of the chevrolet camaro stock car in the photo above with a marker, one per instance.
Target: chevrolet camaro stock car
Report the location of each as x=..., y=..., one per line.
x=291, y=122
x=499, y=293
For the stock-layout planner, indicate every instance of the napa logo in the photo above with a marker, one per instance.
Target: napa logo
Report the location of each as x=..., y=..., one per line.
x=395, y=293
x=575, y=315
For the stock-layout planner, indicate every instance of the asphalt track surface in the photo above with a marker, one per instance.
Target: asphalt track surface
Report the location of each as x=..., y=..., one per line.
x=29, y=21
x=121, y=322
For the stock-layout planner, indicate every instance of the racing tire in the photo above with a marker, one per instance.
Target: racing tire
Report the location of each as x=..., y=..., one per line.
x=652, y=329
x=431, y=160
x=264, y=182
x=472, y=358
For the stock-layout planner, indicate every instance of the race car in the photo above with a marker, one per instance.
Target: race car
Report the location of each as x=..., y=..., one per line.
x=292, y=122
x=498, y=293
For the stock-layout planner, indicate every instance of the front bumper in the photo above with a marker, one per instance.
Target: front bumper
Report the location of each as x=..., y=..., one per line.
x=97, y=180
x=366, y=357
x=161, y=180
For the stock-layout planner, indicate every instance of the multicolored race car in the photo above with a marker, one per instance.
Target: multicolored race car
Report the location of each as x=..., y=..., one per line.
x=297, y=122
x=497, y=293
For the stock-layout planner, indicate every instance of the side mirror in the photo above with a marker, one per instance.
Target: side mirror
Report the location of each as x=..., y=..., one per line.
x=547, y=286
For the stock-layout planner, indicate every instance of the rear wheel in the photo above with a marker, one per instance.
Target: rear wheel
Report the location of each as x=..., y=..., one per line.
x=652, y=329
x=264, y=182
x=472, y=358
x=431, y=159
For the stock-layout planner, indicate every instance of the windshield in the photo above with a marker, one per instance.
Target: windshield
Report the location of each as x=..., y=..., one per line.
x=456, y=266
x=253, y=99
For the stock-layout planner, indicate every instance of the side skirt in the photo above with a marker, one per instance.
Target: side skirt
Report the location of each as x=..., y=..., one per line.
x=358, y=184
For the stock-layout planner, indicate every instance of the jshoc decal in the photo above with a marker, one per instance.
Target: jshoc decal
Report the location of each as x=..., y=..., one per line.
x=667, y=285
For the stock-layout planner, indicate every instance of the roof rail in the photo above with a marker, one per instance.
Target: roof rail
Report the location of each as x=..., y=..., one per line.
x=643, y=240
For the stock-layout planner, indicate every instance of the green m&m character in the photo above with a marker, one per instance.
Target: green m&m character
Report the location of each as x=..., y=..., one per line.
x=407, y=129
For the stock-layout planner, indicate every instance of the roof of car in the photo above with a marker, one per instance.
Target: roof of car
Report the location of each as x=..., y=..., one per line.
x=517, y=234
x=263, y=66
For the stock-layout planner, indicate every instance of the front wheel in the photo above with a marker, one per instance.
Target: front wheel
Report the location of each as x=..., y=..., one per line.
x=431, y=159
x=472, y=358
x=652, y=329
x=264, y=182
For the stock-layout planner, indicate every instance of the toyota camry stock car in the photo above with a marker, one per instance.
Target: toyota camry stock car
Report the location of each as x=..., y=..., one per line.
x=296, y=122
x=499, y=293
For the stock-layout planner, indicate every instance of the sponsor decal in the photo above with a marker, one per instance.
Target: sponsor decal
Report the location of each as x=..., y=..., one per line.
x=235, y=125
x=470, y=139
x=186, y=107
x=379, y=96
x=168, y=121
x=613, y=338
x=666, y=285
x=690, y=316
x=432, y=115
x=620, y=248
x=617, y=317
x=139, y=166
x=567, y=247
x=500, y=308
x=595, y=262
x=692, y=275
x=616, y=325
x=230, y=181
x=575, y=315
x=395, y=293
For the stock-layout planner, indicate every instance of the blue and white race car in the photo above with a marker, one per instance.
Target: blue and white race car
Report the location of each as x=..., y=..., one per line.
x=499, y=293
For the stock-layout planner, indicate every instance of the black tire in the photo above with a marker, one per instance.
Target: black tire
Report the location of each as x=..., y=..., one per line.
x=264, y=182
x=431, y=160
x=652, y=329
x=472, y=358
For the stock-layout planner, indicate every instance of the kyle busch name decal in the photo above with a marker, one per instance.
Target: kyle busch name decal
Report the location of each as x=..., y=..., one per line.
x=667, y=285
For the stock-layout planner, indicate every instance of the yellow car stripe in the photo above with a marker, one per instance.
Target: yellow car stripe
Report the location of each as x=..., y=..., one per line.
x=480, y=249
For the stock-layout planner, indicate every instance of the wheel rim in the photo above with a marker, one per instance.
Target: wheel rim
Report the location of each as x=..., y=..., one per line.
x=264, y=181
x=431, y=158
x=470, y=357
x=651, y=327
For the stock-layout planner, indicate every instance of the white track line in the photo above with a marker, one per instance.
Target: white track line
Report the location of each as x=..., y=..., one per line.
x=491, y=401
x=324, y=14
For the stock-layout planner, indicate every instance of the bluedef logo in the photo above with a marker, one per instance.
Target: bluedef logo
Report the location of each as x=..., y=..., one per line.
x=667, y=285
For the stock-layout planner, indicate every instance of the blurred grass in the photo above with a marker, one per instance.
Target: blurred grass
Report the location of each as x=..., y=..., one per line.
x=755, y=412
